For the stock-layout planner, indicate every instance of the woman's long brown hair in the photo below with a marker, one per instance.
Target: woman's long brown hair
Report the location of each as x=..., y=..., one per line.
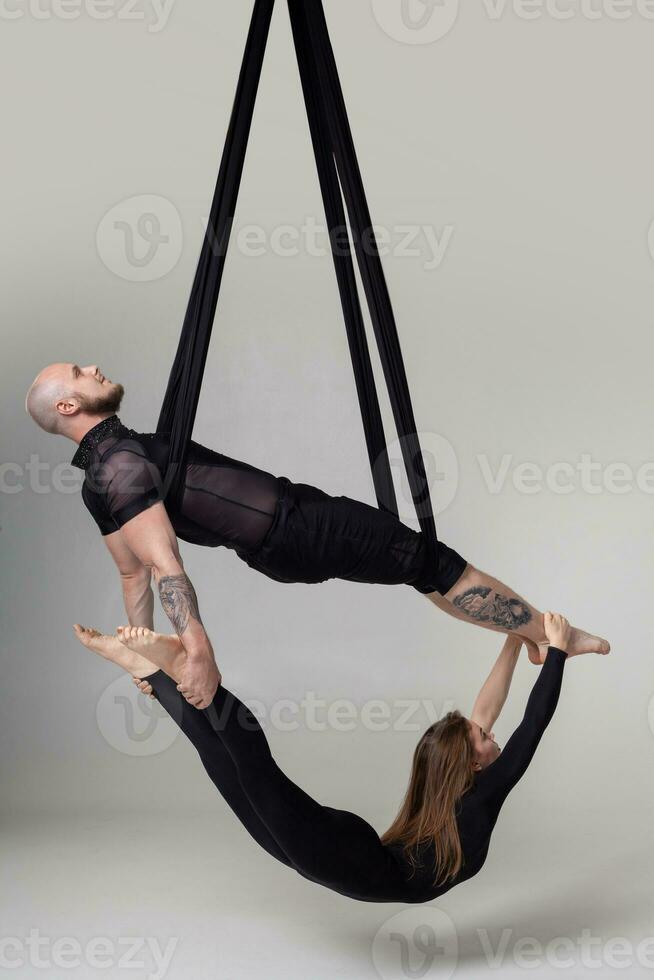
x=442, y=772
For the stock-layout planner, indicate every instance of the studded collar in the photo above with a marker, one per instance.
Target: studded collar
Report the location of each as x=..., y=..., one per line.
x=82, y=458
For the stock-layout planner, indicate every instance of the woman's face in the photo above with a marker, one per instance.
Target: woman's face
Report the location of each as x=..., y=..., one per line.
x=484, y=745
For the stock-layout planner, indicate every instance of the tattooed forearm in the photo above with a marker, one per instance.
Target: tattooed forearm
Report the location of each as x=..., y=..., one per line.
x=179, y=601
x=484, y=605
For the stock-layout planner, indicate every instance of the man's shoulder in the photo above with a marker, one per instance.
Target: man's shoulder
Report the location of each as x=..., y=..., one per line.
x=143, y=444
x=130, y=455
x=160, y=442
x=125, y=433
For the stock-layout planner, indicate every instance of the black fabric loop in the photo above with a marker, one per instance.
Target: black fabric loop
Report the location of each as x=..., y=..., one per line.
x=350, y=230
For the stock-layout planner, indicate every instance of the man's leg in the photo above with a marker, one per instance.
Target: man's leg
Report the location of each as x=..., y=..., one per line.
x=480, y=599
x=322, y=537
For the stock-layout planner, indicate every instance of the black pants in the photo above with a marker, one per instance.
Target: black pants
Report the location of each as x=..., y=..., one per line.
x=331, y=847
x=315, y=537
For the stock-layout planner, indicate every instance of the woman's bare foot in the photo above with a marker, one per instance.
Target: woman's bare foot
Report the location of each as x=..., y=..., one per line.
x=112, y=649
x=165, y=651
x=580, y=643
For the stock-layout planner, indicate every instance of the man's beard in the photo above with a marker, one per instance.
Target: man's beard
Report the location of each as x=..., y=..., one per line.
x=108, y=401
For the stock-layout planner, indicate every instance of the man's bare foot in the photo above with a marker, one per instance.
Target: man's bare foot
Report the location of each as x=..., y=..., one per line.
x=112, y=649
x=166, y=651
x=580, y=643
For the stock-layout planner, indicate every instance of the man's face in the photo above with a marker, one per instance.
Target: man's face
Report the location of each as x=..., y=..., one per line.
x=92, y=391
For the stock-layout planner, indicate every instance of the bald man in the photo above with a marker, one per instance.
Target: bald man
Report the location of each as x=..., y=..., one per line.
x=290, y=532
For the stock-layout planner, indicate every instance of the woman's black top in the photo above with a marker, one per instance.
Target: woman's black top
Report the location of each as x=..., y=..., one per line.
x=481, y=805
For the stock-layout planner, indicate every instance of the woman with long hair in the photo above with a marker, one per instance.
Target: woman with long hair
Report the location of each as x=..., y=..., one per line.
x=459, y=780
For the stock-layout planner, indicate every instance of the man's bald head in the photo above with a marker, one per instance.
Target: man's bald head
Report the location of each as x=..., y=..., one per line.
x=64, y=392
x=51, y=386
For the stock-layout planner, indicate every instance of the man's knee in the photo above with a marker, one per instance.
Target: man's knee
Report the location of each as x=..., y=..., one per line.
x=441, y=571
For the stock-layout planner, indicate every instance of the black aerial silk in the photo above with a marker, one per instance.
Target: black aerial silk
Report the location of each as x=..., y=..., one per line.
x=343, y=193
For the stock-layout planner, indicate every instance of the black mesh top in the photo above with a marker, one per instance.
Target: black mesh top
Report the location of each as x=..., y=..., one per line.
x=225, y=502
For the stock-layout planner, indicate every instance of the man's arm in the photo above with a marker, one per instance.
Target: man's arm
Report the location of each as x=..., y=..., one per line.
x=151, y=538
x=135, y=580
x=492, y=697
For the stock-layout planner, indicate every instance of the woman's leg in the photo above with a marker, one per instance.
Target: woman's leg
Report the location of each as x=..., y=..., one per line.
x=214, y=756
x=216, y=760
x=332, y=847
x=328, y=846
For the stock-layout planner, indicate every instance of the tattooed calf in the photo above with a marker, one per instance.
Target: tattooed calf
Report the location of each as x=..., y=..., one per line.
x=179, y=601
x=484, y=605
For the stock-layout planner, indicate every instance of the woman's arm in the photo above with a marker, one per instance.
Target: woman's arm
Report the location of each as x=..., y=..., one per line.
x=497, y=780
x=492, y=697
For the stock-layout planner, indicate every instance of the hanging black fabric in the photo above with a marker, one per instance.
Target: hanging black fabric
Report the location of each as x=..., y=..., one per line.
x=340, y=177
x=179, y=408
x=345, y=276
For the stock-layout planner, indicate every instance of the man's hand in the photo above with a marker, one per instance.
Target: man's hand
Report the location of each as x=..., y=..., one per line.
x=557, y=631
x=199, y=681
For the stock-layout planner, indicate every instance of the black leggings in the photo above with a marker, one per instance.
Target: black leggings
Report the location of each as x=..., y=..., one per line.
x=334, y=848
